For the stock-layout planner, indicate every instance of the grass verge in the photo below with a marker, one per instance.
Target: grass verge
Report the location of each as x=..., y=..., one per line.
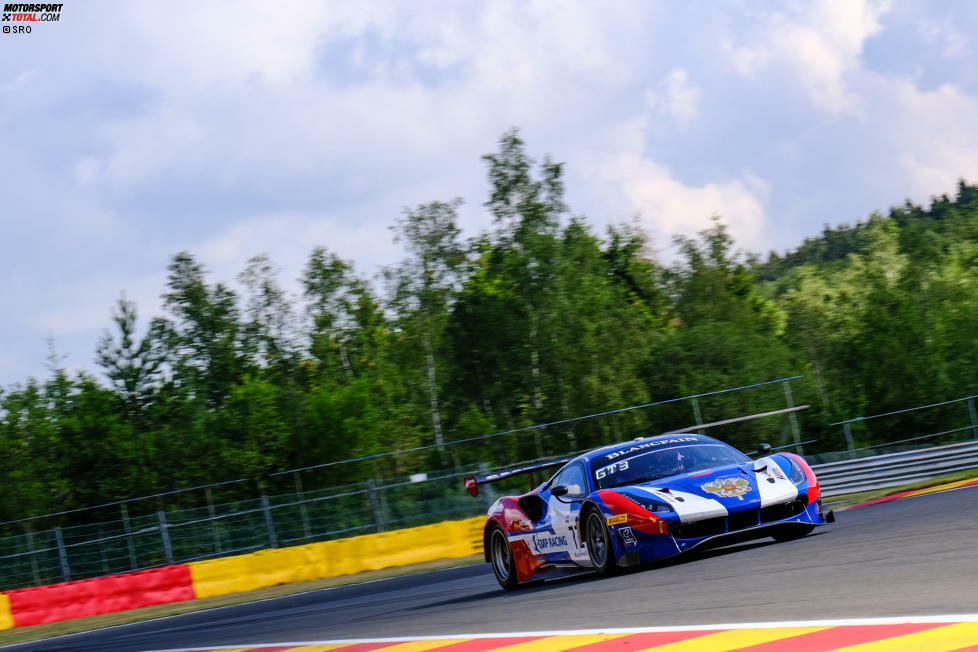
x=38, y=632
x=848, y=500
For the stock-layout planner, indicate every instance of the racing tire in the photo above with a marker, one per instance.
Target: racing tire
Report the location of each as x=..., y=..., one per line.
x=501, y=558
x=598, y=543
x=792, y=533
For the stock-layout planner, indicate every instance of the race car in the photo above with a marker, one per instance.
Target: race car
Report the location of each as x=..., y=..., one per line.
x=645, y=500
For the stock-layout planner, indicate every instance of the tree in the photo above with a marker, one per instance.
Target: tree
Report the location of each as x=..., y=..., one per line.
x=329, y=288
x=133, y=367
x=423, y=288
x=206, y=333
x=269, y=333
x=725, y=334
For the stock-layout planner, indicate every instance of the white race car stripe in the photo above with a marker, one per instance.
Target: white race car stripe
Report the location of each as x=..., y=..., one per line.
x=691, y=507
x=782, y=490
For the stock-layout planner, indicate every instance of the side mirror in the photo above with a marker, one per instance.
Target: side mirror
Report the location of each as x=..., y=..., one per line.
x=559, y=490
x=763, y=450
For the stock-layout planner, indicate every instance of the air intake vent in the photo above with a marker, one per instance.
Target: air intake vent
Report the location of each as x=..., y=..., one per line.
x=781, y=512
x=741, y=520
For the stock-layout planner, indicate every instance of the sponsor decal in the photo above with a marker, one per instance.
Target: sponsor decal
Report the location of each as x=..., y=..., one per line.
x=728, y=487
x=778, y=473
x=627, y=535
x=618, y=520
x=547, y=543
x=611, y=469
x=644, y=446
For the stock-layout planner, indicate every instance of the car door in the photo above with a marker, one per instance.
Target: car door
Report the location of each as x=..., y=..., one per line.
x=565, y=511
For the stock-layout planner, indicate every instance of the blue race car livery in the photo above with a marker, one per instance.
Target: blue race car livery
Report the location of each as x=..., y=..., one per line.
x=645, y=500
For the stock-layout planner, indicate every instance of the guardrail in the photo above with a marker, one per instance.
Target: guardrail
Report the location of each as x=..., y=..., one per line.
x=894, y=469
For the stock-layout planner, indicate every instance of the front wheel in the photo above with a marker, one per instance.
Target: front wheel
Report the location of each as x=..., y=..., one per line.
x=501, y=558
x=599, y=543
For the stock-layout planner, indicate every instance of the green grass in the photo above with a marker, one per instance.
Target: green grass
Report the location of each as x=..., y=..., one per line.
x=848, y=500
x=38, y=632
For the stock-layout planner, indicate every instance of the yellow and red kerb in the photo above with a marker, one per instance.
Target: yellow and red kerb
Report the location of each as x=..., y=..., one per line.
x=934, y=637
x=918, y=492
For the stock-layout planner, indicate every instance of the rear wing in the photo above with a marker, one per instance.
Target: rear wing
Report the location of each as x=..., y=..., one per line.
x=472, y=482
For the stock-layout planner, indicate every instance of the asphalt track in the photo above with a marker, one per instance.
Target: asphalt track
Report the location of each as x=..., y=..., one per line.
x=911, y=557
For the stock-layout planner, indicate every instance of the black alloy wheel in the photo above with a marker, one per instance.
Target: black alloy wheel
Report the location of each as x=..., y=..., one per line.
x=599, y=543
x=501, y=558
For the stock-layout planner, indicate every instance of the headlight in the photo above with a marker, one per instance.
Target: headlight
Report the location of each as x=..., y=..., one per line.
x=797, y=475
x=649, y=503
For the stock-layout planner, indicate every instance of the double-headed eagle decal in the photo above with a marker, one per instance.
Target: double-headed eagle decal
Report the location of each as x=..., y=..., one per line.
x=728, y=487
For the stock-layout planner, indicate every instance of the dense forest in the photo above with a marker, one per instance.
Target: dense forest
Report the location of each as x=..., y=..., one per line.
x=537, y=320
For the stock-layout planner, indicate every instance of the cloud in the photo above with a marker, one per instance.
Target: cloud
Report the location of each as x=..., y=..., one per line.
x=637, y=185
x=289, y=238
x=85, y=305
x=942, y=33
x=816, y=45
x=938, y=140
x=676, y=97
x=255, y=128
x=19, y=80
x=671, y=207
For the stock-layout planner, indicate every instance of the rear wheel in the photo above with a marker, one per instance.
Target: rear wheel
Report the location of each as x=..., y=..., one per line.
x=792, y=533
x=599, y=543
x=501, y=558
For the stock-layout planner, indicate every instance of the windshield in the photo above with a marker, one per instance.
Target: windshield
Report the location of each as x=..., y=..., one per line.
x=661, y=463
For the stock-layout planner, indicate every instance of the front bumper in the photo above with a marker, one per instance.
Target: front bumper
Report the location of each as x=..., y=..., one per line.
x=635, y=547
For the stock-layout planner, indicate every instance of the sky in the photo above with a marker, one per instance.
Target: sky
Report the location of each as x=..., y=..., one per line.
x=135, y=130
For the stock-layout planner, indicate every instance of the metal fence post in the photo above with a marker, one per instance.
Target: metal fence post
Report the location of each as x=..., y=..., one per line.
x=973, y=416
x=303, y=515
x=848, y=433
x=30, y=549
x=129, y=544
x=269, y=524
x=374, y=505
x=213, y=515
x=792, y=419
x=165, y=536
x=101, y=551
x=696, y=412
x=62, y=554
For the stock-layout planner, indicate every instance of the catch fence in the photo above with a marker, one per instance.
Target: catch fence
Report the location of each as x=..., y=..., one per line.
x=151, y=531
x=897, y=430
x=164, y=537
